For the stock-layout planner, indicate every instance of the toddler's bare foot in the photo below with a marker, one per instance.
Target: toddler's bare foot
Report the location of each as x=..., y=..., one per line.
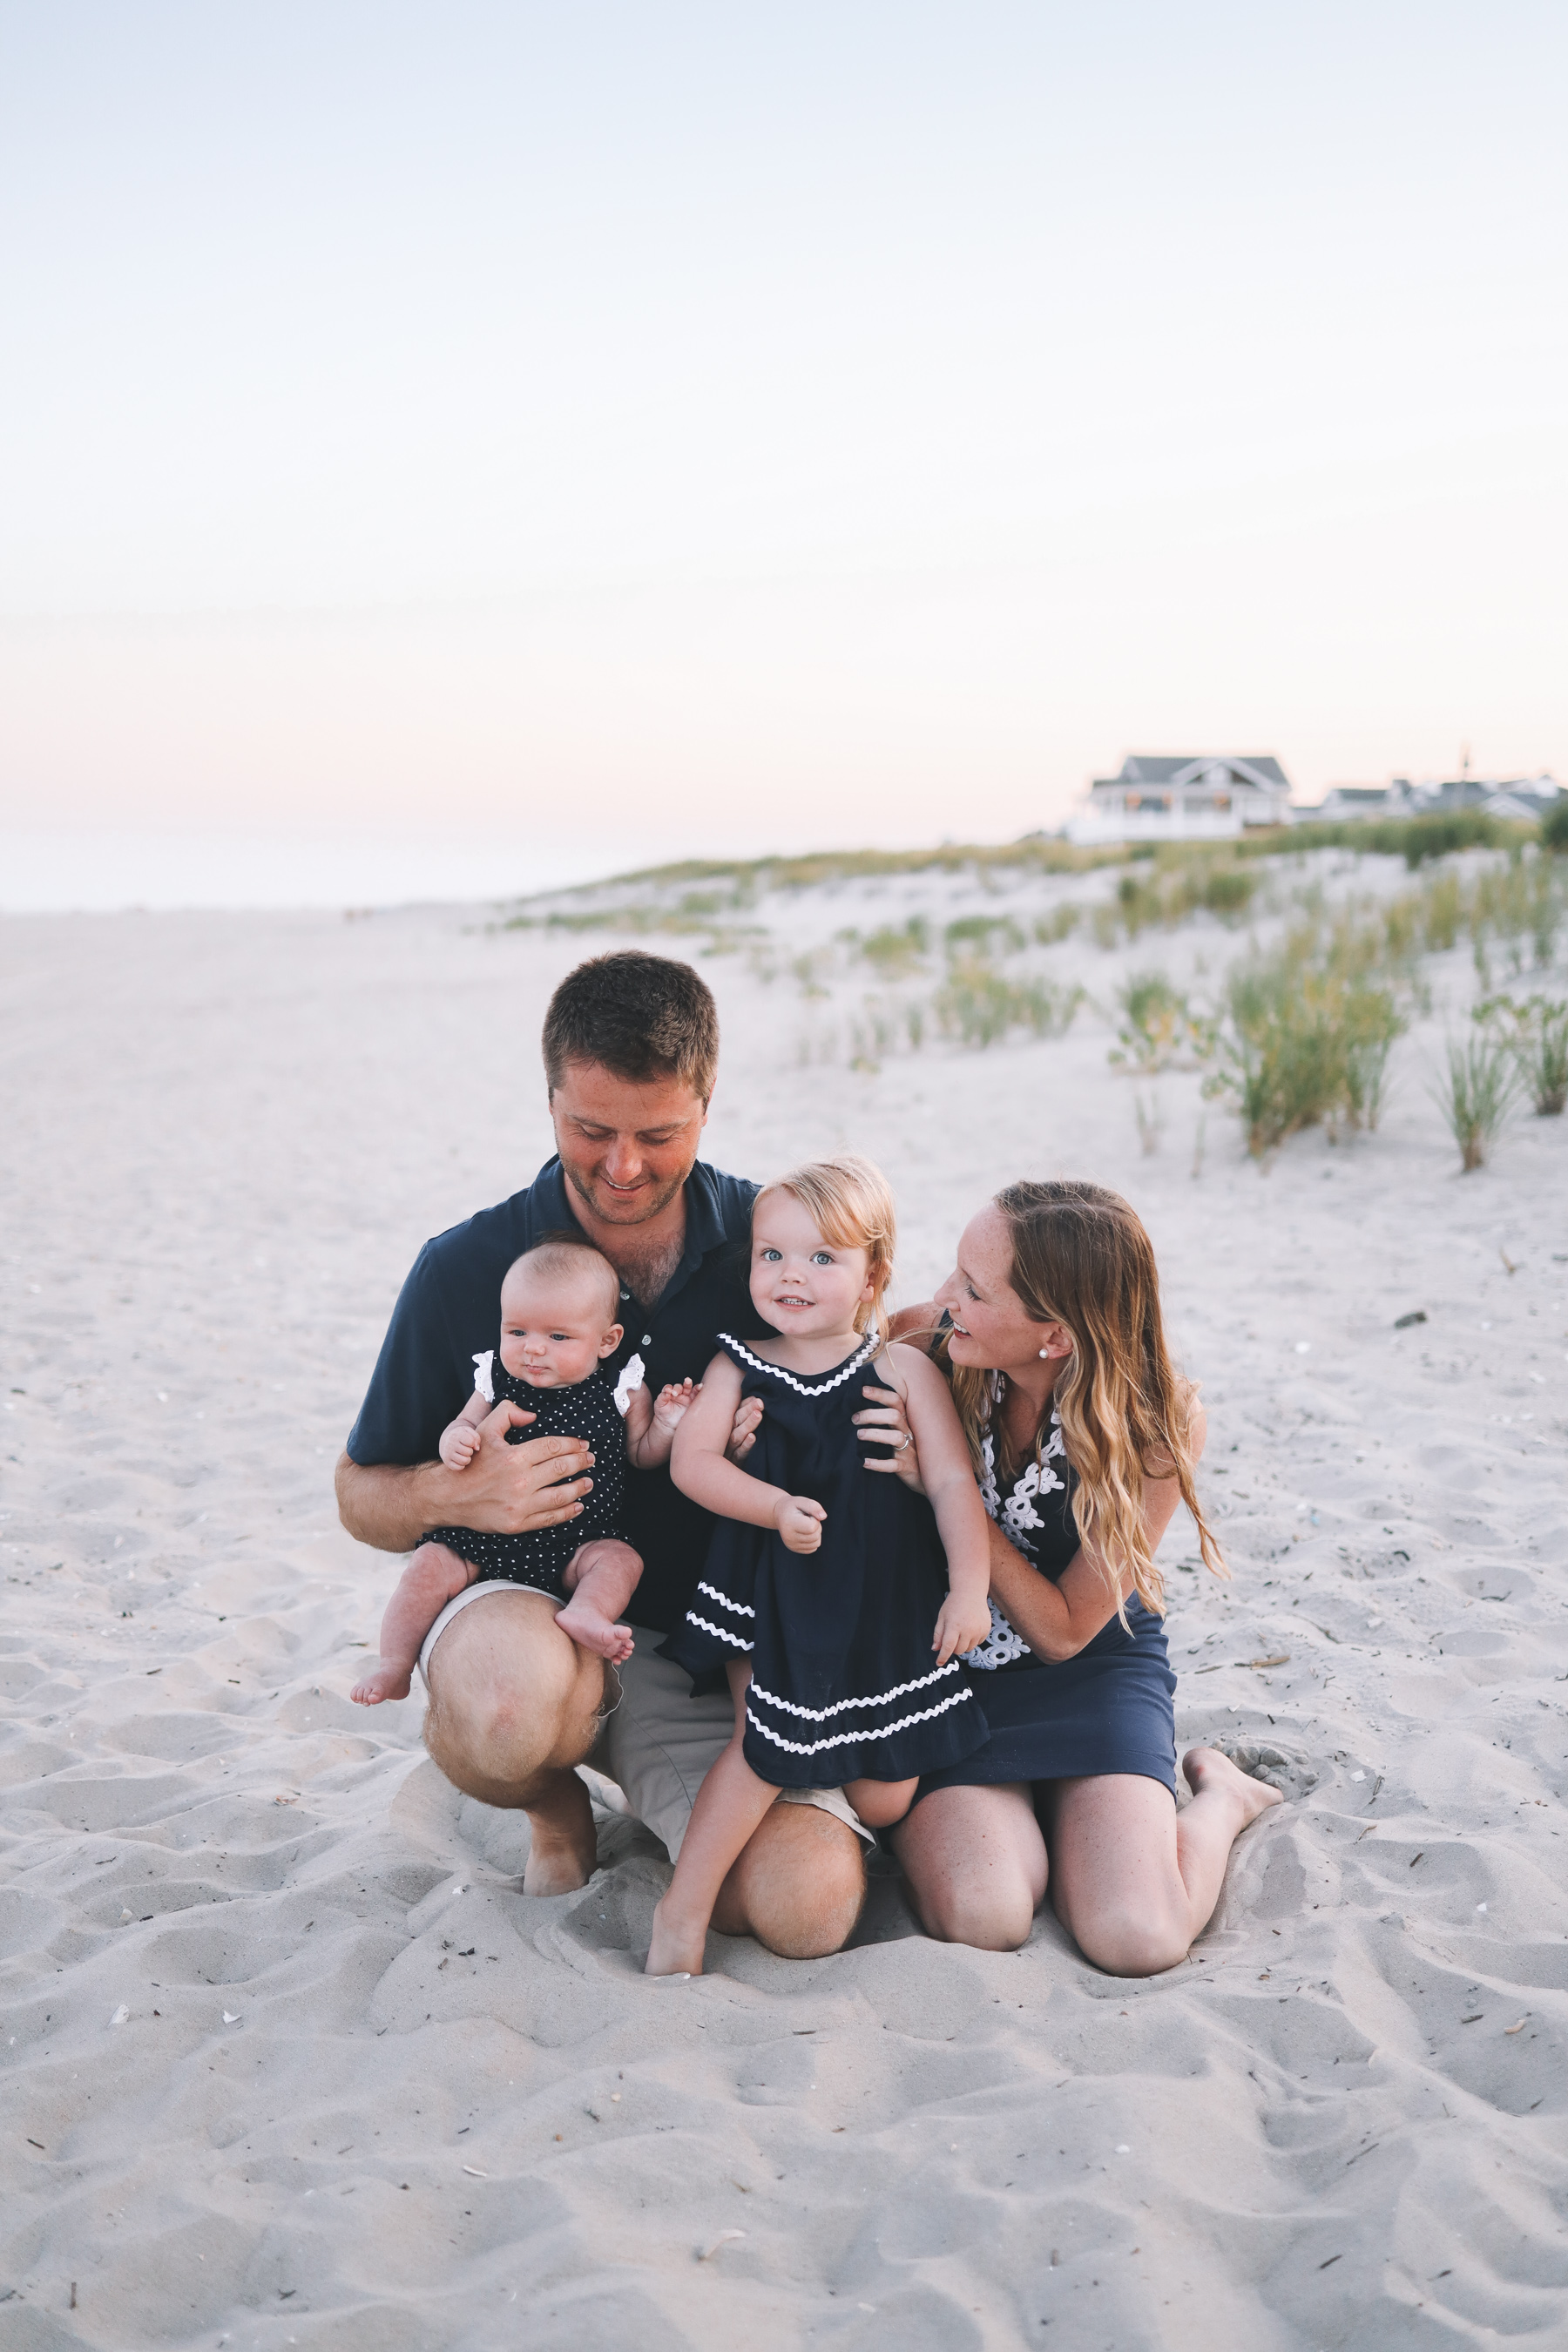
x=592, y=1629
x=1213, y=1775
x=387, y=1681
x=676, y=1949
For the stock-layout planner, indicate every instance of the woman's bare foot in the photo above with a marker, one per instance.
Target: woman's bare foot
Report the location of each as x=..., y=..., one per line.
x=592, y=1629
x=1212, y=1775
x=676, y=1949
x=387, y=1681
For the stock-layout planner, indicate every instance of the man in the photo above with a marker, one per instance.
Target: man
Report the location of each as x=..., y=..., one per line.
x=631, y=1049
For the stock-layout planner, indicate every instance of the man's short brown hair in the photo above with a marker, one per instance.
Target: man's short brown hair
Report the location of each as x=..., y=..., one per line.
x=639, y=1017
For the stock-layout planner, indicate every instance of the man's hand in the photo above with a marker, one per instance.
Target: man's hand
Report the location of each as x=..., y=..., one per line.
x=513, y=1490
x=799, y=1520
x=961, y=1626
x=743, y=1433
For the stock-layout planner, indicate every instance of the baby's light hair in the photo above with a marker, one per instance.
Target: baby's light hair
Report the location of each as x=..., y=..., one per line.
x=850, y=1202
x=571, y=1254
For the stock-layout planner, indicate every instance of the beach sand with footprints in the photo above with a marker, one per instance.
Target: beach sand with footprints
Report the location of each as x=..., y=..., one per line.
x=289, y=2059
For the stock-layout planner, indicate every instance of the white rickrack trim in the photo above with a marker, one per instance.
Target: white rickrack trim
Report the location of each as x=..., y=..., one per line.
x=846, y=1372
x=724, y=1600
x=484, y=1376
x=717, y=1630
x=849, y=1738
x=881, y=1698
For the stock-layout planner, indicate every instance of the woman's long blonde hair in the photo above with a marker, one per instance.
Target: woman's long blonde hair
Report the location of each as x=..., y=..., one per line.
x=850, y=1202
x=1081, y=1259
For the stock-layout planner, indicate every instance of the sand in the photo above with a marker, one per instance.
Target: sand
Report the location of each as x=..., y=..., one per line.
x=288, y=2057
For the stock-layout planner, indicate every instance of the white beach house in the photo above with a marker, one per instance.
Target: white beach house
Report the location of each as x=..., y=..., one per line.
x=1184, y=797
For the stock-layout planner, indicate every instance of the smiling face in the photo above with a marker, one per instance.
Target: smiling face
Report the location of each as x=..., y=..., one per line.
x=627, y=1145
x=552, y=1326
x=991, y=1330
x=805, y=1286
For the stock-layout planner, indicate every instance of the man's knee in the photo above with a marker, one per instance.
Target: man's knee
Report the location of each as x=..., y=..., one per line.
x=503, y=1713
x=800, y=1885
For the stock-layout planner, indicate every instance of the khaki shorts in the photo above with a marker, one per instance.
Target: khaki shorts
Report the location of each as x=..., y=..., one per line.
x=657, y=1743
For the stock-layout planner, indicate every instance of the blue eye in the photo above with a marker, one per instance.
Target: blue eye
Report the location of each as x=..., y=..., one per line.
x=771, y=1256
x=822, y=1257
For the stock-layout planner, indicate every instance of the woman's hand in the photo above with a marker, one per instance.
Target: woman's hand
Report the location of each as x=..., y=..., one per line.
x=743, y=1433
x=885, y=1422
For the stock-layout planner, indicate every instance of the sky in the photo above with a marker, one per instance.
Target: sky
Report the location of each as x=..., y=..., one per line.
x=550, y=437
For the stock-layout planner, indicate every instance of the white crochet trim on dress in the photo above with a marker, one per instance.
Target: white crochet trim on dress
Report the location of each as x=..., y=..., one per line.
x=882, y=1699
x=484, y=1376
x=1003, y=1645
x=724, y=1600
x=848, y=1738
x=846, y=1372
x=999, y=1648
x=632, y=1372
x=718, y=1631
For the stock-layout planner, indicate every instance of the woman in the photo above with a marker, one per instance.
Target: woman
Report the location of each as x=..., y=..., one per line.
x=1084, y=1440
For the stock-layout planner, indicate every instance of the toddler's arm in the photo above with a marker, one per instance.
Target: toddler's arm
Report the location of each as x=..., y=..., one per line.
x=700, y=1469
x=948, y=1476
x=651, y=1423
x=460, y=1438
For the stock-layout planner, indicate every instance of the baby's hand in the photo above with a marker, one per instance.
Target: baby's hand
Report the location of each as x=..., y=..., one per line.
x=674, y=1403
x=460, y=1444
x=961, y=1626
x=799, y=1520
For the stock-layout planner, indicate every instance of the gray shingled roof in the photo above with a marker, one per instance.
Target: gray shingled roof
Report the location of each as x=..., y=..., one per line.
x=1186, y=767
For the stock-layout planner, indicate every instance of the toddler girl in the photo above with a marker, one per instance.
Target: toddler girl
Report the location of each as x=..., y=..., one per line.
x=558, y=1305
x=823, y=1584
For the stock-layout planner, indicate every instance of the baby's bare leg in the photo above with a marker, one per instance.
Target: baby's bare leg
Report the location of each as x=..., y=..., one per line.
x=432, y=1578
x=880, y=1803
x=730, y=1804
x=601, y=1578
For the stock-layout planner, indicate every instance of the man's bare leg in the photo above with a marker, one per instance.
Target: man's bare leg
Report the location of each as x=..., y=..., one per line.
x=514, y=1707
x=433, y=1577
x=799, y=1886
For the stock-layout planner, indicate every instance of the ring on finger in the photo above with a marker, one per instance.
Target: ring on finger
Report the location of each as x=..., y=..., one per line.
x=908, y=1439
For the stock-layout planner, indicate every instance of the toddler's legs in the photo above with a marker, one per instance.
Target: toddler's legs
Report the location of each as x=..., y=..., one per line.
x=601, y=1578
x=432, y=1578
x=730, y=1804
x=880, y=1803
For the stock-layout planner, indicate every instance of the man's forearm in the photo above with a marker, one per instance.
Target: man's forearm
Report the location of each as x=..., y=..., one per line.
x=387, y=1507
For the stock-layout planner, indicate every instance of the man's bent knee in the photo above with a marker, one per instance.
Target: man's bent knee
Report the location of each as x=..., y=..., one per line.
x=988, y=1919
x=1129, y=1946
x=799, y=1888
x=511, y=1703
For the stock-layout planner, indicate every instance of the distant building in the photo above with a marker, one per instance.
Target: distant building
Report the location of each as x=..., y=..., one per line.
x=1184, y=797
x=1517, y=796
x=1343, y=803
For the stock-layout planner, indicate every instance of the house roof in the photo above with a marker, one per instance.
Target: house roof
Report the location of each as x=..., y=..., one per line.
x=1259, y=769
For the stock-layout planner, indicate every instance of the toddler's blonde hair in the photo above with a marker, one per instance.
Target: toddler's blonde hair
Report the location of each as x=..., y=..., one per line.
x=850, y=1202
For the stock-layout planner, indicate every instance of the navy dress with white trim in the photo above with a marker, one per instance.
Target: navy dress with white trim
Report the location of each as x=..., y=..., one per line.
x=845, y=1683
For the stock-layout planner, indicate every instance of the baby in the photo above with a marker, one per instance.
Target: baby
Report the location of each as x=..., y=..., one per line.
x=558, y=1305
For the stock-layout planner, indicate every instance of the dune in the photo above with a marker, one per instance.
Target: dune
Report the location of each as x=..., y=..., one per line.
x=289, y=2058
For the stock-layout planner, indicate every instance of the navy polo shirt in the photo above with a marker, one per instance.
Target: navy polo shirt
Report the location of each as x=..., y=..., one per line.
x=448, y=1311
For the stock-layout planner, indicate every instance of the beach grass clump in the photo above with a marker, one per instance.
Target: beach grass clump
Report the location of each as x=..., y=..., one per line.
x=1159, y=1029
x=1554, y=827
x=894, y=951
x=980, y=1005
x=1536, y=1035
x=1476, y=1094
x=1059, y=925
x=1175, y=890
x=983, y=935
x=1307, y=1043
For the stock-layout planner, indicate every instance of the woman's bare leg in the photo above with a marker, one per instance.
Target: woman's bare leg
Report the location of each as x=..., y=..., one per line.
x=432, y=1578
x=975, y=1862
x=730, y=1805
x=1134, y=1880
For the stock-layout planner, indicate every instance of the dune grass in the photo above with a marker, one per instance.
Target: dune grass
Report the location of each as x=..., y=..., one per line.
x=1535, y=1033
x=1475, y=1095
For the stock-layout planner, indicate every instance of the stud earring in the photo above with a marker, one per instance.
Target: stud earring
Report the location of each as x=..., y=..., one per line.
x=1045, y=1351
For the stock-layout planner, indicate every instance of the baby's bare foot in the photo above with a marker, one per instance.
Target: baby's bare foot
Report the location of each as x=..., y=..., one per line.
x=676, y=1949
x=387, y=1681
x=592, y=1629
x=1212, y=1774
